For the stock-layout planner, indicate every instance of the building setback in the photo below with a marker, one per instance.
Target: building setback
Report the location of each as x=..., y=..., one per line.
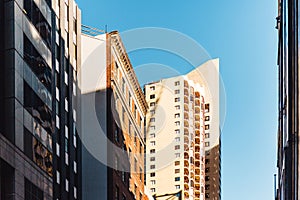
x=288, y=105
x=39, y=144
x=113, y=115
x=182, y=135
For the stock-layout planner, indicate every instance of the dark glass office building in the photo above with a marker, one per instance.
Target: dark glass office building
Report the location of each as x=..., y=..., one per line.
x=288, y=184
x=40, y=155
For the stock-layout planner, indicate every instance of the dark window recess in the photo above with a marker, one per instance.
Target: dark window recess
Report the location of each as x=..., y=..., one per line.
x=35, y=106
x=7, y=180
x=37, y=152
x=32, y=192
x=37, y=63
x=38, y=20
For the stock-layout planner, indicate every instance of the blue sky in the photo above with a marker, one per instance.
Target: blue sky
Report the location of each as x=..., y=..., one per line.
x=243, y=35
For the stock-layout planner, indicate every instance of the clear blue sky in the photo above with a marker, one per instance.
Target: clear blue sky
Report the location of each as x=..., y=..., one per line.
x=242, y=34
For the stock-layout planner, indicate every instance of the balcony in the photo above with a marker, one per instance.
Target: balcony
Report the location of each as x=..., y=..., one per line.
x=186, y=155
x=197, y=163
x=186, y=179
x=186, y=100
x=197, y=102
x=197, y=179
x=186, y=131
x=186, y=163
x=186, y=187
x=186, y=171
x=186, y=139
x=186, y=107
x=197, y=110
x=186, y=123
x=197, y=94
x=186, y=84
x=186, y=115
x=186, y=92
x=186, y=195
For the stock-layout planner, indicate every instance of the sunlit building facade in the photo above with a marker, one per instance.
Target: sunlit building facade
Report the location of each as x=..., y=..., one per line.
x=39, y=58
x=182, y=136
x=113, y=115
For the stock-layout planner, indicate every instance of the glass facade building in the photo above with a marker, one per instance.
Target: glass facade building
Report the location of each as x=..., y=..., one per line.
x=40, y=149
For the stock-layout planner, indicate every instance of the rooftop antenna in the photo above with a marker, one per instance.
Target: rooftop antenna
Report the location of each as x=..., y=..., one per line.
x=106, y=28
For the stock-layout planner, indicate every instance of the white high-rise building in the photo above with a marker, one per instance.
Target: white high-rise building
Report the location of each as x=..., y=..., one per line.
x=183, y=133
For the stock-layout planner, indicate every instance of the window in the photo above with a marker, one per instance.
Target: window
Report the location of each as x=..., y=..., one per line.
x=177, y=171
x=177, y=155
x=152, y=143
x=123, y=197
x=152, y=96
x=152, y=112
x=177, y=147
x=32, y=192
x=117, y=193
x=177, y=123
x=152, y=104
x=177, y=163
x=67, y=185
x=177, y=139
x=206, y=144
x=206, y=161
x=116, y=162
x=152, y=88
x=177, y=91
x=177, y=178
x=152, y=119
x=152, y=174
x=152, y=158
x=152, y=166
x=57, y=177
x=117, y=134
x=123, y=175
x=177, y=187
x=207, y=195
x=135, y=164
x=141, y=174
x=177, y=115
x=206, y=178
x=207, y=118
x=152, y=151
x=152, y=189
x=177, y=99
x=153, y=182
x=177, y=107
x=206, y=107
x=177, y=131
x=206, y=135
x=206, y=169
x=152, y=128
x=206, y=127
x=207, y=153
x=177, y=83
x=152, y=135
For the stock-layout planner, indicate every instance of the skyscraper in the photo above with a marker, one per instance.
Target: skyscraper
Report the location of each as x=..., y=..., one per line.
x=40, y=148
x=182, y=135
x=288, y=105
x=113, y=114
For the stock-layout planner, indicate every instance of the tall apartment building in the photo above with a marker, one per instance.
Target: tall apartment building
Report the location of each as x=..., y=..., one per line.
x=182, y=137
x=288, y=106
x=39, y=144
x=113, y=115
